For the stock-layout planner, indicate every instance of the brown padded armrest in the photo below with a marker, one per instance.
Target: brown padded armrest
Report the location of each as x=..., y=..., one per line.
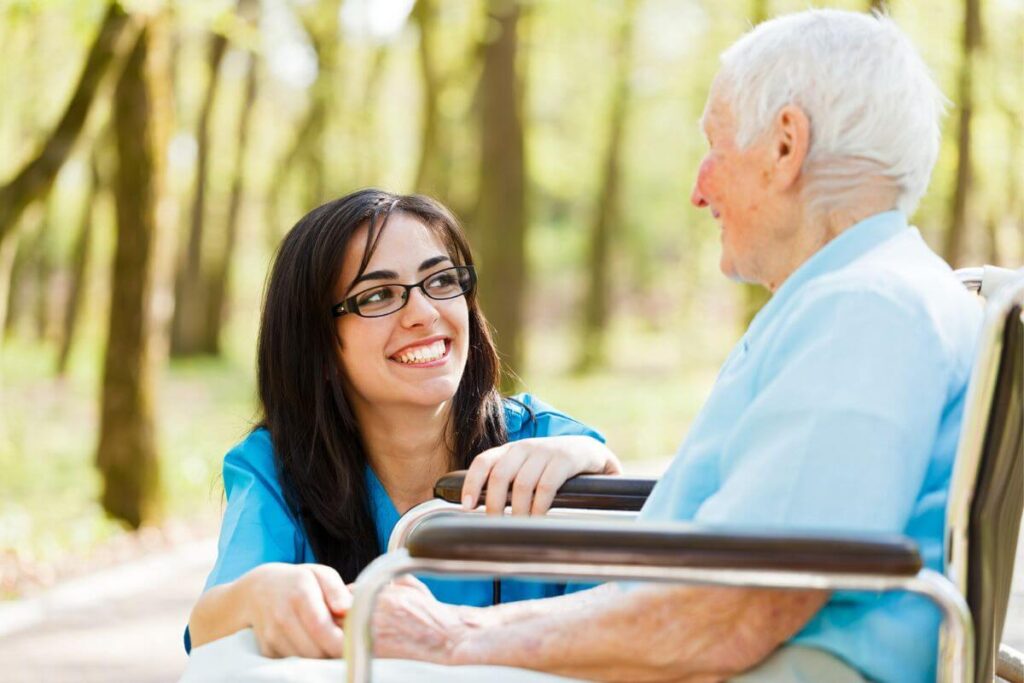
x=593, y=491
x=660, y=545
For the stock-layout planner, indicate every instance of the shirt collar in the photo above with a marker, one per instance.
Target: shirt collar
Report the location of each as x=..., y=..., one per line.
x=849, y=245
x=385, y=514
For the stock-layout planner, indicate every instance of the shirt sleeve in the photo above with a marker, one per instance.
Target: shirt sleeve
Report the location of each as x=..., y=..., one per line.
x=531, y=417
x=258, y=526
x=844, y=415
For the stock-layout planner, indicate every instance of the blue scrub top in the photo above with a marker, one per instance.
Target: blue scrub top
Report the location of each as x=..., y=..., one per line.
x=259, y=526
x=839, y=410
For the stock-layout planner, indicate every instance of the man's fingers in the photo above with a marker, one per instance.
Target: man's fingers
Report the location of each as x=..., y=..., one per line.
x=525, y=482
x=336, y=594
x=476, y=476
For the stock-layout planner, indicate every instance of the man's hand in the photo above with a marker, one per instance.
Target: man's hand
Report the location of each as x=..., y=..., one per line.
x=535, y=469
x=409, y=623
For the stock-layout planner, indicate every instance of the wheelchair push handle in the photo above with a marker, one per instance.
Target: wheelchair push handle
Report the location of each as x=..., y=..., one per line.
x=585, y=491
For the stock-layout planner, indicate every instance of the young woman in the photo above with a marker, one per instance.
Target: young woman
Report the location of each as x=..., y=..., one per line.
x=376, y=375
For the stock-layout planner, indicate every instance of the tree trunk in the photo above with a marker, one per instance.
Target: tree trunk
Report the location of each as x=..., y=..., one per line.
x=306, y=151
x=21, y=290
x=431, y=172
x=126, y=456
x=754, y=296
x=220, y=272
x=959, y=217
x=8, y=249
x=608, y=214
x=79, y=262
x=189, y=320
x=501, y=202
x=35, y=178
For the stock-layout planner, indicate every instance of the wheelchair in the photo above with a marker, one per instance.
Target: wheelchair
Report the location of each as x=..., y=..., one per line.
x=583, y=537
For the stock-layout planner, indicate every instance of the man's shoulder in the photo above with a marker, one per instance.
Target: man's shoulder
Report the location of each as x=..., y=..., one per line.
x=904, y=287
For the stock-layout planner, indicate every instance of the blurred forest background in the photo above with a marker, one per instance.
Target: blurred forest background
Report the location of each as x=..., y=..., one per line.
x=154, y=153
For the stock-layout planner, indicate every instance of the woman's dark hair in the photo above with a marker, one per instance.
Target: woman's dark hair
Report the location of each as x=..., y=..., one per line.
x=320, y=456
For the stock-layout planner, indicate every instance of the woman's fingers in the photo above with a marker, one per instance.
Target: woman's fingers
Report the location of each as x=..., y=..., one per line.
x=294, y=628
x=336, y=594
x=476, y=476
x=526, y=482
x=319, y=633
x=502, y=474
x=551, y=479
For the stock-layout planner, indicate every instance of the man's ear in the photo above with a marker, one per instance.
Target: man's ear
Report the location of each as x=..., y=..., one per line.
x=792, y=139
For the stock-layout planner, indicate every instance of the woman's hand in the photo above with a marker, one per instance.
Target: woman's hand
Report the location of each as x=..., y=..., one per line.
x=294, y=609
x=535, y=469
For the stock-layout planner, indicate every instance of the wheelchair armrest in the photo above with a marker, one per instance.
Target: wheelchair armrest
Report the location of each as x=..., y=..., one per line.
x=661, y=545
x=1010, y=665
x=593, y=491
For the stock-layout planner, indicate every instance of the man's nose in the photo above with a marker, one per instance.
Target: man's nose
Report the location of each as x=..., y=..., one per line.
x=697, y=198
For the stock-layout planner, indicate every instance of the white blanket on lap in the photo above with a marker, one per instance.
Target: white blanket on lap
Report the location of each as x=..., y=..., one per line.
x=237, y=658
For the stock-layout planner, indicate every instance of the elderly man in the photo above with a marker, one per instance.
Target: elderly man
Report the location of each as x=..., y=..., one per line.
x=838, y=409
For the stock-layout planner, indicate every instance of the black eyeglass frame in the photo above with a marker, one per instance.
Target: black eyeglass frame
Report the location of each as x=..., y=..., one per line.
x=349, y=305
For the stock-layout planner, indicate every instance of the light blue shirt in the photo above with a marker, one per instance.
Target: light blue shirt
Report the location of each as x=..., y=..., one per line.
x=839, y=410
x=260, y=527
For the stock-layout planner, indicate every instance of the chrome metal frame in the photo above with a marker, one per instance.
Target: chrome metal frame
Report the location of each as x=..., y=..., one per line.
x=977, y=410
x=956, y=653
x=419, y=514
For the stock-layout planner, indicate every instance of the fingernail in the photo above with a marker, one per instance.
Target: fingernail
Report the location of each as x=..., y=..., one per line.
x=467, y=501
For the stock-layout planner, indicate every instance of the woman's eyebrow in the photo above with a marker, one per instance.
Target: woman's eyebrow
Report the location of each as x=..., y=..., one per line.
x=431, y=262
x=392, y=275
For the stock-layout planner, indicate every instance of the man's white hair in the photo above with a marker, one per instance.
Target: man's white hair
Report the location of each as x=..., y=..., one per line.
x=873, y=106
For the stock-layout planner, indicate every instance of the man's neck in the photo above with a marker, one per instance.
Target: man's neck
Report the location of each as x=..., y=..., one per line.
x=817, y=230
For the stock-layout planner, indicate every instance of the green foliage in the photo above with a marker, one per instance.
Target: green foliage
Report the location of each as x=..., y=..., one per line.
x=674, y=316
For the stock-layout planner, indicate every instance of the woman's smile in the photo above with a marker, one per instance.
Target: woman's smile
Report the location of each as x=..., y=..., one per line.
x=425, y=353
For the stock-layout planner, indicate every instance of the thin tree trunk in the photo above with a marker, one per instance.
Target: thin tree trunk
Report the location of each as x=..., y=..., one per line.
x=8, y=249
x=21, y=292
x=188, y=335
x=79, y=263
x=595, y=305
x=958, y=215
x=755, y=296
x=430, y=171
x=34, y=180
x=43, y=276
x=306, y=150
x=370, y=157
x=220, y=272
x=126, y=455
x=501, y=206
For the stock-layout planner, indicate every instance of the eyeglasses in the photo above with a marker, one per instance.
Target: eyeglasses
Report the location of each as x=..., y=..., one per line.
x=386, y=299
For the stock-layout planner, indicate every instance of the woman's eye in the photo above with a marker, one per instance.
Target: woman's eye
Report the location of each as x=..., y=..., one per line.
x=444, y=280
x=374, y=296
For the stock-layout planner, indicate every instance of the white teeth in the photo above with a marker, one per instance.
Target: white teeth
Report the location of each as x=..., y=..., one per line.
x=423, y=354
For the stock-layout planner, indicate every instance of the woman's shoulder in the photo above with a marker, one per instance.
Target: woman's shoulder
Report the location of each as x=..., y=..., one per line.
x=254, y=451
x=250, y=459
x=527, y=416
